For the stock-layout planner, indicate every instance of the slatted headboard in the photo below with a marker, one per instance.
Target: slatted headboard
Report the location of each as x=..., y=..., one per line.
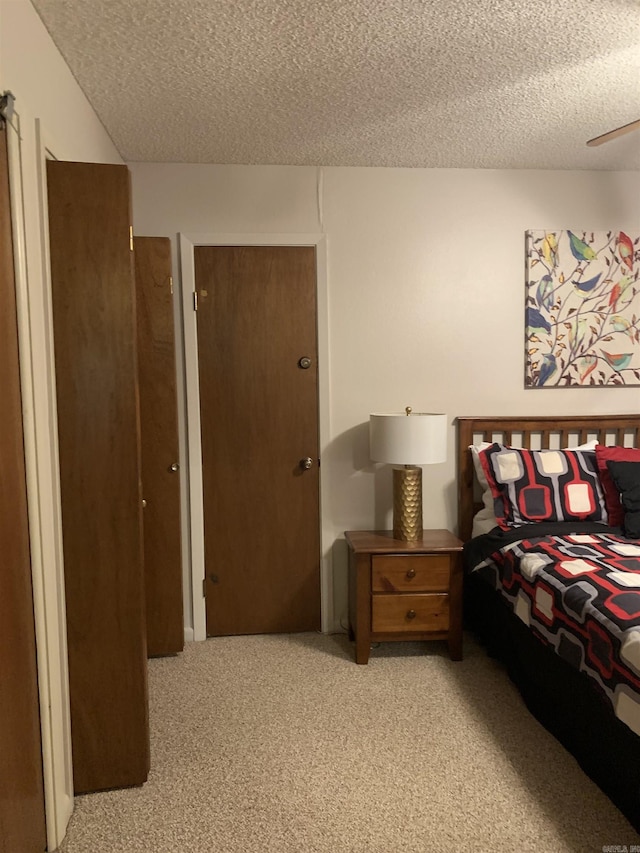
x=536, y=433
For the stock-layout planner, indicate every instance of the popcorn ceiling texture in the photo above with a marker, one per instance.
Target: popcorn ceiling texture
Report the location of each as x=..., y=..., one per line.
x=458, y=83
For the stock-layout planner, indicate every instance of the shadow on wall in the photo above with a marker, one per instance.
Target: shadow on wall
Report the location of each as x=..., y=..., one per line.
x=349, y=452
x=340, y=570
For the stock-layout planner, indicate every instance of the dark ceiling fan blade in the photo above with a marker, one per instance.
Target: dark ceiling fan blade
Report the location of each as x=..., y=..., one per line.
x=613, y=134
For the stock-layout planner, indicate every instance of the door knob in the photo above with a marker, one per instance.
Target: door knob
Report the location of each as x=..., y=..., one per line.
x=174, y=467
x=306, y=463
x=304, y=362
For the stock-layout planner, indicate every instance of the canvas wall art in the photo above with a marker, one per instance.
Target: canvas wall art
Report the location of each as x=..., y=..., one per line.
x=582, y=309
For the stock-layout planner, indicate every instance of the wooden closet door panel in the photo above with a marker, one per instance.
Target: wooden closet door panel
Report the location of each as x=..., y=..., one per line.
x=22, y=817
x=257, y=327
x=160, y=453
x=98, y=433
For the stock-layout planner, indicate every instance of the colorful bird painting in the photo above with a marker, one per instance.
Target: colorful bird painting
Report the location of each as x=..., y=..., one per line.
x=536, y=322
x=621, y=324
x=619, y=361
x=547, y=368
x=580, y=250
x=577, y=330
x=544, y=295
x=615, y=294
x=582, y=308
x=585, y=365
x=550, y=249
x=618, y=289
x=584, y=288
x=625, y=249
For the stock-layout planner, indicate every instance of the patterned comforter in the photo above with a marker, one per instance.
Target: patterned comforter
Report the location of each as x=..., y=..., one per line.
x=579, y=592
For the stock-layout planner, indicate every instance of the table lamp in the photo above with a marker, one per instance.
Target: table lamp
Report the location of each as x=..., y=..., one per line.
x=409, y=439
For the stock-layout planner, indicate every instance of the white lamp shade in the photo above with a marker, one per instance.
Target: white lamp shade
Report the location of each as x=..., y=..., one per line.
x=400, y=439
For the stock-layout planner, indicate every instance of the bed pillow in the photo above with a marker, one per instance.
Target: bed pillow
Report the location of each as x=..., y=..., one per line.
x=485, y=519
x=531, y=486
x=611, y=493
x=487, y=497
x=626, y=478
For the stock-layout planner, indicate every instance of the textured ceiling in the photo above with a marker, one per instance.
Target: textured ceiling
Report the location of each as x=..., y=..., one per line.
x=455, y=83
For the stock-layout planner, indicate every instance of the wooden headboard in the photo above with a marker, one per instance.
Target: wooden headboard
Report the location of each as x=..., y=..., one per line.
x=536, y=433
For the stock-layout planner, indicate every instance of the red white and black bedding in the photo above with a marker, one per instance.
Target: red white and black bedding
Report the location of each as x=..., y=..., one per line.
x=576, y=585
x=553, y=580
x=564, y=571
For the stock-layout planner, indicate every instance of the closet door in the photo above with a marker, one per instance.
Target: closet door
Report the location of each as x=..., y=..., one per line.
x=22, y=820
x=99, y=439
x=159, y=435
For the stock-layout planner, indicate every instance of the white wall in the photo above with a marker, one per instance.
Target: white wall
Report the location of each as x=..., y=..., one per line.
x=425, y=273
x=425, y=293
x=47, y=97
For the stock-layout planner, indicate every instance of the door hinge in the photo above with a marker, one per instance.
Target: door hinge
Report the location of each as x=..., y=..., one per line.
x=131, y=237
x=195, y=300
x=204, y=587
x=171, y=284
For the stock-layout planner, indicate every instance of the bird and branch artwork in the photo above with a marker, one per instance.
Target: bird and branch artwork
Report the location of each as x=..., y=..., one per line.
x=582, y=309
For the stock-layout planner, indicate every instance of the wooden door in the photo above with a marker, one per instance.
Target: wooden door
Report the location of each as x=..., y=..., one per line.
x=159, y=440
x=98, y=434
x=256, y=320
x=22, y=815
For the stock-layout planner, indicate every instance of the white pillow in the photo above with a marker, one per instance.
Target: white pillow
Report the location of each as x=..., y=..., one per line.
x=485, y=520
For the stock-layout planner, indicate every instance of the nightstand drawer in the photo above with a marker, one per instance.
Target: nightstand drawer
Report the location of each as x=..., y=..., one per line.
x=410, y=613
x=410, y=573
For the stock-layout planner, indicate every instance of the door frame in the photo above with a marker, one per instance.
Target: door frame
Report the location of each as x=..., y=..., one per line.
x=33, y=298
x=187, y=243
x=59, y=766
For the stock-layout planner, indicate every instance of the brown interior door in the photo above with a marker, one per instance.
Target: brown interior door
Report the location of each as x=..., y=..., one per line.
x=22, y=816
x=259, y=421
x=159, y=441
x=98, y=433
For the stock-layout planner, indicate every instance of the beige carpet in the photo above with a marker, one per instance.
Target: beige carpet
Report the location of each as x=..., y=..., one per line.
x=284, y=744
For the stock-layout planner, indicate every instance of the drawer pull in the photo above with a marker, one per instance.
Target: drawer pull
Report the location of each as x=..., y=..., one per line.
x=411, y=573
x=411, y=614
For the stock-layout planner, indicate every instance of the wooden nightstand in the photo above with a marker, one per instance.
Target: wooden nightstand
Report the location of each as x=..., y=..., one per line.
x=404, y=590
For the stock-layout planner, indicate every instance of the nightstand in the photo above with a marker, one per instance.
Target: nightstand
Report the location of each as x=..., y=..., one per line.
x=404, y=590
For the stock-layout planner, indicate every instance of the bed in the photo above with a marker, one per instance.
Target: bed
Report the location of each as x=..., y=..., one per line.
x=555, y=597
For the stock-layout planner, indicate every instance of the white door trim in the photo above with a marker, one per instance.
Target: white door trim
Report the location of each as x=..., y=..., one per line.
x=194, y=466
x=49, y=474
x=43, y=499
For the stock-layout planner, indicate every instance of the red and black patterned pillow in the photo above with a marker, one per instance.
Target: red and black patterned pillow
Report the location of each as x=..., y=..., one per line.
x=531, y=486
x=626, y=479
x=604, y=455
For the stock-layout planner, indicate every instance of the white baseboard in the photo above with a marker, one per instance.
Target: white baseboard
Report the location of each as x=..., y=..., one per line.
x=336, y=629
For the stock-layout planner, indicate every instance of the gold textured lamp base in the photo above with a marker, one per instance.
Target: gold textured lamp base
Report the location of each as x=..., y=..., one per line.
x=407, y=503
